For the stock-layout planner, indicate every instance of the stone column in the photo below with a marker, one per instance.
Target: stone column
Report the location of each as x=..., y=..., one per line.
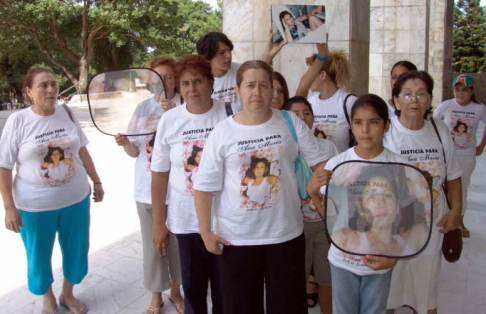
x=247, y=24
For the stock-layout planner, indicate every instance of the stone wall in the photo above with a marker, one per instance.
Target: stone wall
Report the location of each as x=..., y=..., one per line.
x=247, y=24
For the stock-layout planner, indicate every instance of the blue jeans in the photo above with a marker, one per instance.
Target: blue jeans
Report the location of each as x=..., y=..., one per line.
x=354, y=294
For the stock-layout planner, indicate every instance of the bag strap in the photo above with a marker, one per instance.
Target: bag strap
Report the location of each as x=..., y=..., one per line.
x=444, y=186
x=229, y=110
x=68, y=112
x=346, y=114
x=290, y=124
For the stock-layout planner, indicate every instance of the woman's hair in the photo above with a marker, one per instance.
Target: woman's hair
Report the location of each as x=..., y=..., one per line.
x=406, y=64
x=414, y=75
x=207, y=46
x=50, y=151
x=255, y=65
x=193, y=64
x=458, y=124
x=29, y=79
x=163, y=59
x=151, y=143
x=281, y=16
x=371, y=101
x=254, y=161
x=297, y=100
x=318, y=132
x=192, y=159
x=337, y=67
x=279, y=77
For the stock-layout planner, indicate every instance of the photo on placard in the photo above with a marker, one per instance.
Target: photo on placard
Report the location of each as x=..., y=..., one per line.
x=296, y=23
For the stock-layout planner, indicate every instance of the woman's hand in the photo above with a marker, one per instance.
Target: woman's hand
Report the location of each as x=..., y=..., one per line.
x=98, y=192
x=122, y=140
x=479, y=150
x=13, y=220
x=272, y=49
x=379, y=262
x=160, y=238
x=323, y=48
x=450, y=221
x=167, y=104
x=214, y=243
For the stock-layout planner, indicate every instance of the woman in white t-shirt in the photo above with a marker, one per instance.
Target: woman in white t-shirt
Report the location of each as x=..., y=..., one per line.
x=50, y=193
x=156, y=269
x=330, y=74
x=412, y=135
x=462, y=115
x=181, y=137
x=398, y=69
x=262, y=242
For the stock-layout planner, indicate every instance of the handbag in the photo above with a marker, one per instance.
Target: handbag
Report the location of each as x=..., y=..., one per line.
x=352, y=141
x=302, y=170
x=452, y=242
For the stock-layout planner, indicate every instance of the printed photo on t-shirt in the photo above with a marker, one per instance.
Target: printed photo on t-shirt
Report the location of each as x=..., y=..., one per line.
x=149, y=146
x=57, y=164
x=324, y=131
x=260, y=176
x=461, y=129
x=191, y=156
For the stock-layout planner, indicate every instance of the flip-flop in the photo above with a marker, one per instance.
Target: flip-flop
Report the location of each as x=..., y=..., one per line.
x=155, y=310
x=179, y=306
x=76, y=307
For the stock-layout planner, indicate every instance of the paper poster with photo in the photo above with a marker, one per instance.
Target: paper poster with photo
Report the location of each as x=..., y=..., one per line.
x=461, y=132
x=56, y=162
x=296, y=23
x=191, y=156
x=379, y=209
x=260, y=178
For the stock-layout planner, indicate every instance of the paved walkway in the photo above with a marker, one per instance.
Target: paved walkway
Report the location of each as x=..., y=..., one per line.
x=114, y=283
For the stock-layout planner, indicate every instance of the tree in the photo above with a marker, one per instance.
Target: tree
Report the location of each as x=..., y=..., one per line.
x=469, y=54
x=74, y=35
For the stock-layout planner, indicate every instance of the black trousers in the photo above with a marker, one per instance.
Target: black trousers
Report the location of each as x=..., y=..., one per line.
x=198, y=267
x=280, y=268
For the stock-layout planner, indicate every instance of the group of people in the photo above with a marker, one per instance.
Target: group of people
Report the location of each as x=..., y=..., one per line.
x=216, y=191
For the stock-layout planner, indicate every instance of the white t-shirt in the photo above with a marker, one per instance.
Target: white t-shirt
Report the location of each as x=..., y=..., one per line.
x=391, y=109
x=351, y=262
x=145, y=145
x=224, y=86
x=422, y=149
x=329, y=117
x=45, y=150
x=181, y=137
x=462, y=122
x=237, y=155
x=330, y=151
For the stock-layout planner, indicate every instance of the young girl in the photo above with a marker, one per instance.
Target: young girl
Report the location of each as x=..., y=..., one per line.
x=361, y=284
x=317, y=245
x=462, y=115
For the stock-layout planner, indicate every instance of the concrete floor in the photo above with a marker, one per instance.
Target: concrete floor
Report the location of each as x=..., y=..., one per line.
x=114, y=283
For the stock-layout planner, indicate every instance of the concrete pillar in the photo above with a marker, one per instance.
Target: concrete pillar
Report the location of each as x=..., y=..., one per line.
x=247, y=23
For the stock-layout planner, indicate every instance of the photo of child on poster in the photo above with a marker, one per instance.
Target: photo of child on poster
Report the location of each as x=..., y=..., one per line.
x=460, y=135
x=192, y=152
x=259, y=179
x=298, y=23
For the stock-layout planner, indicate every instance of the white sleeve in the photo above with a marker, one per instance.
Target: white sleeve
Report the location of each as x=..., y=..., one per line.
x=307, y=142
x=210, y=173
x=9, y=143
x=161, y=153
x=439, y=111
x=483, y=116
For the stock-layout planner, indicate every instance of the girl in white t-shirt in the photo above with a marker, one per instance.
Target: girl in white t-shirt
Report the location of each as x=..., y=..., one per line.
x=141, y=148
x=462, y=115
x=360, y=284
x=316, y=243
x=263, y=243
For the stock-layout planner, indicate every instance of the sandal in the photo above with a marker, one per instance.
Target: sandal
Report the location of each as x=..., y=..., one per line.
x=180, y=307
x=154, y=310
x=76, y=308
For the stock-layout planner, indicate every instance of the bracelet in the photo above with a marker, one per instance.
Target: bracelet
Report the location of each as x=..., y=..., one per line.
x=323, y=59
x=98, y=182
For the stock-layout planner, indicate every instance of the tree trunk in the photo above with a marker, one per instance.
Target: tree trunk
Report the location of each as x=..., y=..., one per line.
x=83, y=75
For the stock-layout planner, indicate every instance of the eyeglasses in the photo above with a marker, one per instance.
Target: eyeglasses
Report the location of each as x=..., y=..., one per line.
x=421, y=97
x=167, y=77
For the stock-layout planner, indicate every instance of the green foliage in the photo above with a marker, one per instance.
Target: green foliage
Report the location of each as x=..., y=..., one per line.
x=469, y=37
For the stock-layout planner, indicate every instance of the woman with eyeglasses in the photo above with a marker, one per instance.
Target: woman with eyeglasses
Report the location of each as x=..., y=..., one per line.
x=412, y=135
x=156, y=269
x=462, y=115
